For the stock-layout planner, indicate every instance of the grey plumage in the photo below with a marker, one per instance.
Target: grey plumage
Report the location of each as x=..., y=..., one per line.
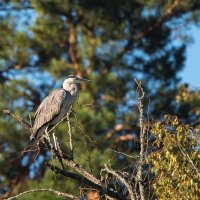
x=55, y=106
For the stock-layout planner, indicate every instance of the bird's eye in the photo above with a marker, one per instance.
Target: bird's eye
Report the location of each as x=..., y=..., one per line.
x=71, y=76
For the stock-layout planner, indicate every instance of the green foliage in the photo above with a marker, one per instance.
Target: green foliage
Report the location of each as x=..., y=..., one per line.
x=175, y=162
x=190, y=98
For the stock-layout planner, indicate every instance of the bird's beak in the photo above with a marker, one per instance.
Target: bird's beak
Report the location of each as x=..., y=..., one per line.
x=82, y=79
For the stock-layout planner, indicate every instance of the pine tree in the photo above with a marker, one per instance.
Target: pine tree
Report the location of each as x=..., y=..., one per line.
x=110, y=42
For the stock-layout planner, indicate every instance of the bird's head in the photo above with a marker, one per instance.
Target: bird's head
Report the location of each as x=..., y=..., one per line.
x=72, y=79
x=75, y=79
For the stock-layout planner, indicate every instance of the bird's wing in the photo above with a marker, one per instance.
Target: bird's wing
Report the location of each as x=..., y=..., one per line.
x=49, y=108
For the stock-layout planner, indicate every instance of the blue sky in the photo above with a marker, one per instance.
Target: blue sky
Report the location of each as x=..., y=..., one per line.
x=191, y=72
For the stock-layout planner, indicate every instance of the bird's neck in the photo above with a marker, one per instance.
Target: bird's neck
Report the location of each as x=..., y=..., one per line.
x=72, y=88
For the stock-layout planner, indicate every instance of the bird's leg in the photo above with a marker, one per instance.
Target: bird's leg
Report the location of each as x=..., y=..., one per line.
x=46, y=132
x=55, y=143
x=71, y=111
x=46, y=136
x=38, y=147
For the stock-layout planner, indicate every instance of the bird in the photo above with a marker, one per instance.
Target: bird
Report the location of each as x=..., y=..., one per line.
x=55, y=106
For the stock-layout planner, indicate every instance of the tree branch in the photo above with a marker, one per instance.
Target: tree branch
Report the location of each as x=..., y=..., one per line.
x=72, y=50
x=141, y=161
x=70, y=134
x=73, y=164
x=83, y=175
x=128, y=186
x=172, y=10
x=58, y=193
x=100, y=188
x=189, y=159
x=25, y=124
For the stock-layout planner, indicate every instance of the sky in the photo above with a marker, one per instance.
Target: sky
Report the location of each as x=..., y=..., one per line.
x=191, y=72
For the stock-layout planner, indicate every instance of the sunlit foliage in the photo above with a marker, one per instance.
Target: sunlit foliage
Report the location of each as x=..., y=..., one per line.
x=175, y=160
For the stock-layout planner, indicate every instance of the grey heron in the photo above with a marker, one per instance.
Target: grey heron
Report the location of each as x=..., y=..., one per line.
x=55, y=106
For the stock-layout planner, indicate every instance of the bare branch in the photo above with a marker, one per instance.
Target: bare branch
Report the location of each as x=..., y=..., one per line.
x=70, y=133
x=71, y=163
x=189, y=159
x=25, y=124
x=128, y=186
x=83, y=175
x=60, y=156
x=141, y=161
x=58, y=193
x=119, y=152
x=82, y=171
x=100, y=188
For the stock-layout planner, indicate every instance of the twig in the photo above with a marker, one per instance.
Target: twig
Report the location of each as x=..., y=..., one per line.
x=189, y=159
x=82, y=173
x=87, y=136
x=70, y=133
x=19, y=119
x=142, y=140
x=73, y=164
x=60, y=153
x=128, y=186
x=119, y=152
x=62, y=194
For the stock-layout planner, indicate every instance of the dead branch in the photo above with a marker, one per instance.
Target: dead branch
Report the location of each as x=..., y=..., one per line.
x=83, y=175
x=186, y=155
x=58, y=193
x=82, y=171
x=70, y=134
x=102, y=189
x=122, y=153
x=60, y=154
x=123, y=180
x=141, y=161
x=25, y=124
x=71, y=163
